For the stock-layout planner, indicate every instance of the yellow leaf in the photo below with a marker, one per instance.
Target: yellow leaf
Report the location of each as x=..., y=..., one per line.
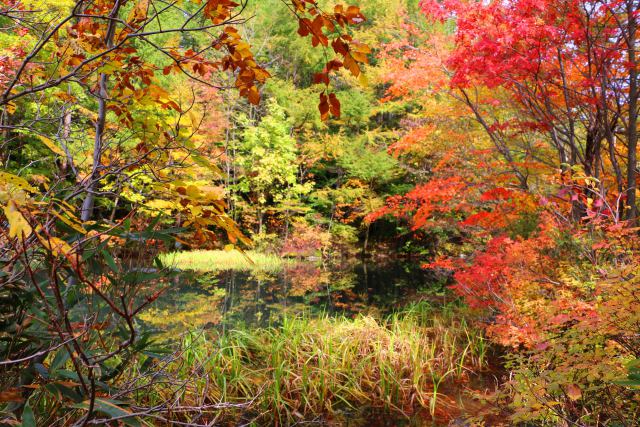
x=55, y=245
x=193, y=119
x=88, y=113
x=359, y=57
x=66, y=97
x=193, y=192
x=16, y=181
x=364, y=82
x=18, y=225
x=51, y=145
x=72, y=222
x=204, y=162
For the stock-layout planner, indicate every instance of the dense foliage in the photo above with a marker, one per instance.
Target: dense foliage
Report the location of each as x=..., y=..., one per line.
x=495, y=143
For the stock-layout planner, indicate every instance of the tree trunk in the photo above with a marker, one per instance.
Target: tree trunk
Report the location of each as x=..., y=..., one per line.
x=366, y=239
x=92, y=182
x=64, y=140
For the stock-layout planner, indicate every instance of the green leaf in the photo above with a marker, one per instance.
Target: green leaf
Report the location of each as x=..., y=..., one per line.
x=205, y=163
x=158, y=262
x=28, y=419
x=61, y=357
x=110, y=261
x=61, y=391
x=633, y=376
x=110, y=408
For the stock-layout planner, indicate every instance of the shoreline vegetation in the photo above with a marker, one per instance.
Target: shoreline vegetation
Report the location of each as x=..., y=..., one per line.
x=321, y=367
x=312, y=368
x=416, y=361
x=217, y=260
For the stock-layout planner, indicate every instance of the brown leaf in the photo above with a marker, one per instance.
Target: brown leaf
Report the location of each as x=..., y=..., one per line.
x=324, y=106
x=11, y=395
x=339, y=46
x=334, y=105
x=574, y=392
x=304, y=25
x=321, y=78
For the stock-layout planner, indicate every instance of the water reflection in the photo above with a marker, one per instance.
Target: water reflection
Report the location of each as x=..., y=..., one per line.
x=231, y=298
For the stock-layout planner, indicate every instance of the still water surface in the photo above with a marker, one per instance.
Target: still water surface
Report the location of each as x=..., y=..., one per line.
x=253, y=299
x=228, y=299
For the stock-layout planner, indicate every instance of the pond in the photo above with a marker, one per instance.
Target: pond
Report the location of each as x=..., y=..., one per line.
x=231, y=298
x=254, y=298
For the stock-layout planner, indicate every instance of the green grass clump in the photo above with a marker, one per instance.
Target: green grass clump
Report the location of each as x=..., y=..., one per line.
x=308, y=367
x=223, y=260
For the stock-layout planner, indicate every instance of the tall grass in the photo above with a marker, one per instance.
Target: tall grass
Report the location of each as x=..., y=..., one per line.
x=223, y=260
x=310, y=367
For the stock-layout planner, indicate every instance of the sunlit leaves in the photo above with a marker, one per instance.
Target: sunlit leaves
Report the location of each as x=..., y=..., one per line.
x=321, y=26
x=15, y=181
x=51, y=145
x=139, y=13
x=18, y=226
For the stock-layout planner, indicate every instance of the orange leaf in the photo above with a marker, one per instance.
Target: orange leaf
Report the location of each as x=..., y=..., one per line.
x=254, y=96
x=574, y=392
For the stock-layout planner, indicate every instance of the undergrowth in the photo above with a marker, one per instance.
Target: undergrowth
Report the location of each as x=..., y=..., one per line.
x=306, y=368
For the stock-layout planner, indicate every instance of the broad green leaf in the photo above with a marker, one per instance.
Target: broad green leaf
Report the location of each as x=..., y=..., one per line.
x=28, y=419
x=111, y=409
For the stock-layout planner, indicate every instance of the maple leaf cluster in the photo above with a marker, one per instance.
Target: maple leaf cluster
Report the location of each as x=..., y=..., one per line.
x=321, y=25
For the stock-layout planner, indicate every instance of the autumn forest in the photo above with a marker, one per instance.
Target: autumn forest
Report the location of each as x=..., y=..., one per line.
x=287, y=212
